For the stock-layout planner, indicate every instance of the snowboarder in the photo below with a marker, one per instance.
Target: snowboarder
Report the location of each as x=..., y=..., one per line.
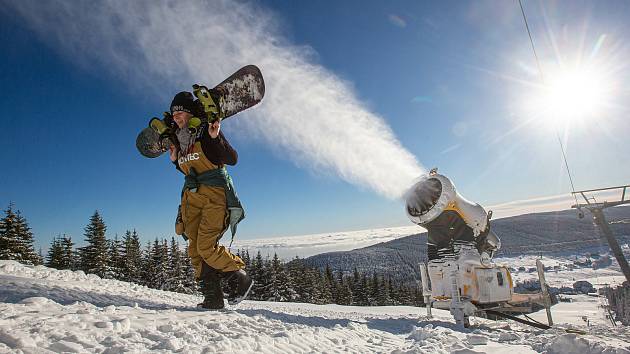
x=209, y=204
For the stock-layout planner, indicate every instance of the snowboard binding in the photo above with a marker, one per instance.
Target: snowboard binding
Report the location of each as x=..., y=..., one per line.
x=163, y=127
x=210, y=103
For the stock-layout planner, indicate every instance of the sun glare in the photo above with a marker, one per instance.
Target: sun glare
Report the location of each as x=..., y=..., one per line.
x=574, y=95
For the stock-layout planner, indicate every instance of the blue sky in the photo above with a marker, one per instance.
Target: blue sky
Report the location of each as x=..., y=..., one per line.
x=449, y=83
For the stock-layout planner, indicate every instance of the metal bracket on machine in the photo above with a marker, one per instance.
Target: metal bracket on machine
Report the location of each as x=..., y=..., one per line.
x=426, y=291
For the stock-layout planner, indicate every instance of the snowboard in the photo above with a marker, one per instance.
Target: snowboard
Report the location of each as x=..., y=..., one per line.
x=240, y=91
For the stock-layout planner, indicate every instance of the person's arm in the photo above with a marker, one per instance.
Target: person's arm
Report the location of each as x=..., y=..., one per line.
x=218, y=150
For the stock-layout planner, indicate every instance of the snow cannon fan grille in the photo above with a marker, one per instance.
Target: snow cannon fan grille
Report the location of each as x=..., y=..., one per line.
x=423, y=196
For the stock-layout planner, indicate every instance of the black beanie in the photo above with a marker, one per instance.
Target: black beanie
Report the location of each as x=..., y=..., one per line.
x=183, y=101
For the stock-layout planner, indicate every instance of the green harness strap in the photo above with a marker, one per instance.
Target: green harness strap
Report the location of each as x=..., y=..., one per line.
x=218, y=178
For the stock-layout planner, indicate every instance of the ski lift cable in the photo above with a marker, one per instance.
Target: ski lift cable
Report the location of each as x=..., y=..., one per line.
x=542, y=78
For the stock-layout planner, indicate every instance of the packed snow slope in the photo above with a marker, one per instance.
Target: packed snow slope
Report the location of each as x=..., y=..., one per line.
x=44, y=310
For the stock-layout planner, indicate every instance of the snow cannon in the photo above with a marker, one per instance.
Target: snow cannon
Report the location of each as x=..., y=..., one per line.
x=460, y=247
x=452, y=221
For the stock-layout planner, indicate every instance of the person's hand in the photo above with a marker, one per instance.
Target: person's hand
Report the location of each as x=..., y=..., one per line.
x=214, y=128
x=172, y=153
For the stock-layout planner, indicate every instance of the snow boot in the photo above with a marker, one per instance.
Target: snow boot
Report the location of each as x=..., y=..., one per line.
x=211, y=289
x=244, y=284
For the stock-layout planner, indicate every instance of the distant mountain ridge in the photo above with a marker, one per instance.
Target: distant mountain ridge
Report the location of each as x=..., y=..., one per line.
x=548, y=233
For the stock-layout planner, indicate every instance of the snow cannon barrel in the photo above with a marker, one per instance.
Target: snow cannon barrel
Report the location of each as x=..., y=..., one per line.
x=433, y=194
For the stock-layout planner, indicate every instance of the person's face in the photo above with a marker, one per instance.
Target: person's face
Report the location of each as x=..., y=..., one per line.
x=181, y=118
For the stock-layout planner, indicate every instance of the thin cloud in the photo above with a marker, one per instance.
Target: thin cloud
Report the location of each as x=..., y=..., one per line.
x=422, y=99
x=397, y=21
x=308, y=113
x=450, y=149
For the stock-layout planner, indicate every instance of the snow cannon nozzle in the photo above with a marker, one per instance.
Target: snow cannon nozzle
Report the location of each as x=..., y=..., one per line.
x=433, y=194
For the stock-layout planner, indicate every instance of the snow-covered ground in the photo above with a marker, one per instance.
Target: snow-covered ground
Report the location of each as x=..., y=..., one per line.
x=44, y=310
x=563, y=277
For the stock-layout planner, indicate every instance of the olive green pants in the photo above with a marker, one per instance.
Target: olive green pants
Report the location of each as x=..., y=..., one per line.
x=205, y=220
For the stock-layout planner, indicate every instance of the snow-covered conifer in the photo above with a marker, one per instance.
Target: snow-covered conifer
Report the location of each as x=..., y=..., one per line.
x=394, y=295
x=69, y=256
x=344, y=293
x=189, y=279
x=16, y=238
x=324, y=285
x=262, y=279
x=158, y=265
x=8, y=236
x=357, y=290
x=363, y=297
x=176, y=271
x=115, y=266
x=281, y=285
x=94, y=257
x=132, y=258
x=55, y=254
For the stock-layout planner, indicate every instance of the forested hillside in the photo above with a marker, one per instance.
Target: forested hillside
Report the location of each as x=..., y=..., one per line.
x=541, y=233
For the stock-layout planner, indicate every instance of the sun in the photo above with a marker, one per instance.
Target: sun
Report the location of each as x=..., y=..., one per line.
x=572, y=95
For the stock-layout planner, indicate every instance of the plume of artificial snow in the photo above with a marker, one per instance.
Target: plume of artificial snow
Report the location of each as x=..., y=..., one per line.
x=308, y=111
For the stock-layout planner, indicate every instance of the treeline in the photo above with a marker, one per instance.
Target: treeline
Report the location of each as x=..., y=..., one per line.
x=163, y=264
x=294, y=281
x=160, y=264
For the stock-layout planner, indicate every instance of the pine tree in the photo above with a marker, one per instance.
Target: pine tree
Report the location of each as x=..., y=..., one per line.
x=364, y=293
x=301, y=282
x=176, y=271
x=68, y=256
x=281, y=285
x=26, y=249
x=246, y=258
x=16, y=238
x=147, y=262
x=262, y=279
x=325, y=288
x=344, y=293
x=8, y=236
x=189, y=280
x=94, y=257
x=158, y=265
x=333, y=287
x=131, y=255
x=378, y=291
x=55, y=254
x=40, y=257
x=394, y=296
x=405, y=295
x=357, y=290
x=115, y=266
x=314, y=286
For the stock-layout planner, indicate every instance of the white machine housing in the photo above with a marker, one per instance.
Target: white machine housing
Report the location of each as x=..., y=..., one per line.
x=476, y=282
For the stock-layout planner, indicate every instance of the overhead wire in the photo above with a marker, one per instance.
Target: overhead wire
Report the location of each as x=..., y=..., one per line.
x=542, y=78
